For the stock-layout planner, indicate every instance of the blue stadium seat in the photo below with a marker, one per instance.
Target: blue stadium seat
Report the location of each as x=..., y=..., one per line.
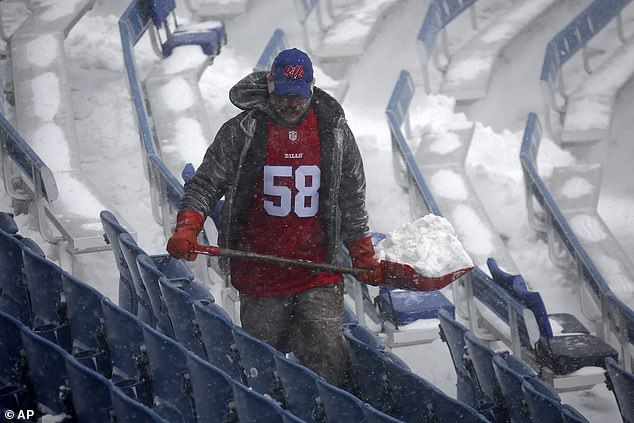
x=621, y=383
x=179, y=295
x=213, y=394
x=128, y=410
x=85, y=319
x=112, y=228
x=258, y=364
x=482, y=358
x=130, y=369
x=402, y=307
x=14, y=296
x=510, y=373
x=543, y=405
x=15, y=393
x=44, y=281
x=364, y=335
x=130, y=250
x=173, y=396
x=299, y=389
x=7, y=223
x=151, y=269
x=415, y=398
x=209, y=37
x=90, y=393
x=468, y=390
x=47, y=372
x=339, y=405
x=254, y=407
x=571, y=415
x=216, y=330
x=369, y=376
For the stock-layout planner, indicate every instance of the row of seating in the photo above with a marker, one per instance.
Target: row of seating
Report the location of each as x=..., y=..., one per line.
x=500, y=384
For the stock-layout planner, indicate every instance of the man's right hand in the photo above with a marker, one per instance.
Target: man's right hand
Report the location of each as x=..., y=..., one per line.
x=188, y=224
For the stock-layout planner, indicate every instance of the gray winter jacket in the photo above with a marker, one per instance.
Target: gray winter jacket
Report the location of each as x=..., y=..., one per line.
x=233, y=165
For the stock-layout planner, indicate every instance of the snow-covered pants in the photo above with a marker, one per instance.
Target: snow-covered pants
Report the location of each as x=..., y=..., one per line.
x=309, y=323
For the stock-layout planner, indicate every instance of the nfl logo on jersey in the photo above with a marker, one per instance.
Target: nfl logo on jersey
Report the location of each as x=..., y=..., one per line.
x=292, y=135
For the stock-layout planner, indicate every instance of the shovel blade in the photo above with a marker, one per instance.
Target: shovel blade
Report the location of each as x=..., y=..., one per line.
x=403, y=276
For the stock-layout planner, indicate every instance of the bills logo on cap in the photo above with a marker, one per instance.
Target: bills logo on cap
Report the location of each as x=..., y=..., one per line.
x=295, y=72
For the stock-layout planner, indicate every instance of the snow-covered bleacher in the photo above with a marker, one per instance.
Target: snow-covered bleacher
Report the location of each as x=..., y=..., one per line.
x=225, y=9
x=343, y=31
x=578, y=114
x=35, y=171
x=466, y=72
x=603, y=267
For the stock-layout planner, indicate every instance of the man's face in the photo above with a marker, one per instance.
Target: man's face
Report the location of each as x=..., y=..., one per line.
x=290, y=108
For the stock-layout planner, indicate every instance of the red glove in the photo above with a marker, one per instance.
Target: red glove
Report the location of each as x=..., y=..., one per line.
x=188, y=224
x=362, y=254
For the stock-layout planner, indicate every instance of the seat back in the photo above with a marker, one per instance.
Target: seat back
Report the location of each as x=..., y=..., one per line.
x=213, y=394
x=160, y=10
x=481, y=356
x=258, y=363
x=14, y=296
x=85, y=319
x=277, y=43
x=622, y=383
x=510, y=373
x=254, y=407
x=299, y=388
x=128, y=410
x=542, y=405
x=47, y=372
x=150, y=276
x=368, y=374
x=130, y=368
x=112, y=229
x=179, y=298
x=452, y=333
x=173, y=398
x=216, y=330
x=14, y=381
x=131, y=250
x=90, y=393
x=339, y=405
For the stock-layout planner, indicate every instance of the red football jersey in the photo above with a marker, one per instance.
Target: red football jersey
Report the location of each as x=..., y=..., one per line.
x=284, y=217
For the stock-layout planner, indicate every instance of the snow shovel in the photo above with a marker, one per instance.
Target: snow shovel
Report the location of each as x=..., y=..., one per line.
x=396, y=275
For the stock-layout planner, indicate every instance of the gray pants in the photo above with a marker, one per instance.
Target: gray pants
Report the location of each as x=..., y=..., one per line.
x=308, y=322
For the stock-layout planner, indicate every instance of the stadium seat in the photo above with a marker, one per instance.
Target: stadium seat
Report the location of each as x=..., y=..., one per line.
x=402, y=307
x=90, y=393
x=415, y=398
x=369, y=376
x=151, y=269
x=299, y=389
x=15, y=390
x=510, y=373
x=14, y=296
x=481, y=357
x=213, y=394
x=128, y=410
x=364, y=335
x=85, y=319
x=570, y=415
x=209, y=35
x=179, y=295
x=452, y=333
x=44, y=281
x=130, y=250
x=542, y=405
x=173, y=397
x=258, y=364
x=621, y=383
x=339, y=405
x=112, y=228
x=124, y=333
x=47, y=372
x=253, y=407
x=7, y=223
x=216, y=330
